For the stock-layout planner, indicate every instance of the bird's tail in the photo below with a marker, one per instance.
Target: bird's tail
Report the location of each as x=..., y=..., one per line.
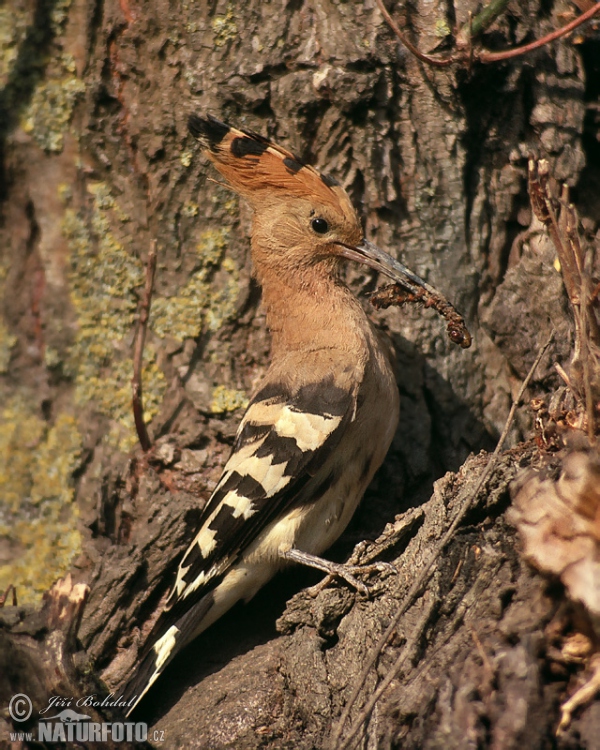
x=168, y=637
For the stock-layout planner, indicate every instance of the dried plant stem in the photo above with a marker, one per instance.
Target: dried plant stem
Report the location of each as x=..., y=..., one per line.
x=475, y=26
x=420, y=582
x=489, y=57
x=560, y=219
x=433, y=61
x=136, y=381
x=10, y=588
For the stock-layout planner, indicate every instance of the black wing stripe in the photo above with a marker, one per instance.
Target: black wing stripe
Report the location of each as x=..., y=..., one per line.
x=166, y=639
x=283, y=442
x=323, y=398
x=250, y=432
x=272, y=392
x=244, y=486
x=284, y=450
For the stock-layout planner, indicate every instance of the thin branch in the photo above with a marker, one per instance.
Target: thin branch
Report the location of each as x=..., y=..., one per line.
x=4, y=596
x=434, y=61
x=489, y=57
x=582, y=308
x=480, y=22
x=421, y=581
x=407, y=647
x=136, y=380
x=471, y=50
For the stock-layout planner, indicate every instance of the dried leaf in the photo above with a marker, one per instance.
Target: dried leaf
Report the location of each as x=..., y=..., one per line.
x=559, y=524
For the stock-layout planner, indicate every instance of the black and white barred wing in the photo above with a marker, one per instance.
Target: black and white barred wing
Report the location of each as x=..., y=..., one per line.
x=282, y=442
x=278, y=461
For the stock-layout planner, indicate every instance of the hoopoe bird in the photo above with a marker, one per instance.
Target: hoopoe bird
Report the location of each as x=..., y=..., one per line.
x=321, y=420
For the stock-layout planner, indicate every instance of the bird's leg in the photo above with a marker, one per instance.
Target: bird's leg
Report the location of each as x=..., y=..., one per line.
x=334, y=570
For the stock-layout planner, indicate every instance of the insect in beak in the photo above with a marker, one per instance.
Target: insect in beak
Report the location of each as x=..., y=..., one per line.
x=418, y=290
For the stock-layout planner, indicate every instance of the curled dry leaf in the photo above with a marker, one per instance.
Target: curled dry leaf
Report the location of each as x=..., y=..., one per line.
x=559, y=524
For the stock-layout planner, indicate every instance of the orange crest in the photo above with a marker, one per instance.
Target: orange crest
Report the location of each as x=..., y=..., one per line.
x=257, y=168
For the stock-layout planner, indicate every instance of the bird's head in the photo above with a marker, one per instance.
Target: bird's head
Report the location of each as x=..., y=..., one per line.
x=301, y=218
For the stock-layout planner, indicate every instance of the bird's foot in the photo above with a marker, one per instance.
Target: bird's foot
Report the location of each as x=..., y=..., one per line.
x=338, y=570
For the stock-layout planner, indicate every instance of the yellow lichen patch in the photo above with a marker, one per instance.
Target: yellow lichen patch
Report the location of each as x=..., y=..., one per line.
x=37, y=78
x=52, y=357
x=185, y=157
x=442, y=29
x=20, y=434
x=103, y=277
x=38, y=516
x=223, y=303
x=49, y=111
x=190, y=209
x=55, y=461
x=59, y=13
x=224, y=27
x=226, y=399
x=180, y=316
x=13, y=28
x=211, y=246
x=7, y=341
x=104, y=201
x=197, y=302
x=231, y=204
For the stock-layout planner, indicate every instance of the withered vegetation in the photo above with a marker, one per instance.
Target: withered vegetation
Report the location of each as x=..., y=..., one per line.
x=487, y=631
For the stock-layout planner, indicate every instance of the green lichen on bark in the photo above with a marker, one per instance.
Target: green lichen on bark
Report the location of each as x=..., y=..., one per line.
x=38, y=79
x=49, y=112
x=224, y=27
x=13, y=27
x=38, y=518
x=227, y=399
x=103, y=278
x=201, y=301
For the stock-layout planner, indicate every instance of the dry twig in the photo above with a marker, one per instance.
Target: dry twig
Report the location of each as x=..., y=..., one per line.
x=10, y=588
x=136, y=380
x=435, y=62
x=490, y=57
x=464, y=40
x=560, y=219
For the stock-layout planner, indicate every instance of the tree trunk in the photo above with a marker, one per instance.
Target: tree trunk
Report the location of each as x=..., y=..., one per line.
x=97, y=163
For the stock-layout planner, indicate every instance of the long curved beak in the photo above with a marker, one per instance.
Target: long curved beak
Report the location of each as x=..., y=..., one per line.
x=370, y=255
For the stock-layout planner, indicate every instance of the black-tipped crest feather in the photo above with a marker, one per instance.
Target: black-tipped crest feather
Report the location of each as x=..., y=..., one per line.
x=208, y=130
x=253, y=164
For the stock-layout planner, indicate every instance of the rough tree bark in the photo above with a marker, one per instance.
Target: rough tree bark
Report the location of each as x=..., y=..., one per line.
x=97, y=163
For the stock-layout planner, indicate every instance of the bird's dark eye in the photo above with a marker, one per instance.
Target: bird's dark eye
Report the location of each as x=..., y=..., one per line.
x=320, y=226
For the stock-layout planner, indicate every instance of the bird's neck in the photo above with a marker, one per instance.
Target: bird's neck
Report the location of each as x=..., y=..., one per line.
x=312, y=310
